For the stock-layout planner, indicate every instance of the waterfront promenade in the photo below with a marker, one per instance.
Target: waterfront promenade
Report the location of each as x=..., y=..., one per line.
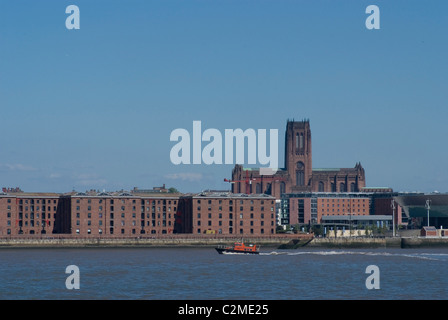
x=282, y=241
x=183, y=240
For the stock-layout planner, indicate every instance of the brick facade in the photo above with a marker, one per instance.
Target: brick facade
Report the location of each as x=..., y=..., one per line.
x=227, y=214
x=133, y=215
x=28, y=213
x=121, y=215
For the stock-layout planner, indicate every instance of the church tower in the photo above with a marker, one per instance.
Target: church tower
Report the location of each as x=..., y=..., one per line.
x=298, y=156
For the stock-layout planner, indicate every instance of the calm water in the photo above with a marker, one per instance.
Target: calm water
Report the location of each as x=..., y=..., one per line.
x=149, y=273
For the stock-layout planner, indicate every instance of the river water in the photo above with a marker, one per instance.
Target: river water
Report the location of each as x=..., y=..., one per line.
x=202, y=274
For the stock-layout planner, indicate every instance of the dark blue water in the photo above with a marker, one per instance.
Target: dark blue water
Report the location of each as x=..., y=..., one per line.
x=150, y=273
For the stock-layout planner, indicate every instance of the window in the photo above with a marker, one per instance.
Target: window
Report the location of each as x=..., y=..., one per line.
x=282, y=188
x=321, y=186
x=300, y=174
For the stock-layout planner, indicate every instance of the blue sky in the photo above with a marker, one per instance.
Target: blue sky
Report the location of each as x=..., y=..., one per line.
x=94, y=108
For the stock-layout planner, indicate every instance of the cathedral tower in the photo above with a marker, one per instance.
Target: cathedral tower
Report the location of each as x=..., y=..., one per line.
x=298, y=155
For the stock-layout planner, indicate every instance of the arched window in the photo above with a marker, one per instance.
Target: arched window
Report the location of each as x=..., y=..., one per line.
x=333, y=187
x=300, y=174
x=353, y=187
x=258, y=188
x=342, y=187
x=282, y=188
x=268, y=189
x=321, y=186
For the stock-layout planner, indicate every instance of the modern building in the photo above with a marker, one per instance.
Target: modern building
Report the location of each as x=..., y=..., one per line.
x=344, y=209
x=298, y=174
x=418, y=207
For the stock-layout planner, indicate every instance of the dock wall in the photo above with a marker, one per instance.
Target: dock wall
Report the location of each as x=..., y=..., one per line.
x=76, y=242
x=282, y=242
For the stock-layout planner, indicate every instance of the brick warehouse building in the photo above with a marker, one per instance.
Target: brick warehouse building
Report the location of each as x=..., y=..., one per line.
x=227, y=213
x=28, y=213
x=298, y=174
x=122, y=214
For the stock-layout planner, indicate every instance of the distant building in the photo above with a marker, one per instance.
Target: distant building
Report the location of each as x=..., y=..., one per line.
x=124, y=214
x=161, y=189
x=415, y=209
x=118, y=214
x=298, y=175
x=429, y=232
x=28, y=213
x=369, y=208
x=226, y=213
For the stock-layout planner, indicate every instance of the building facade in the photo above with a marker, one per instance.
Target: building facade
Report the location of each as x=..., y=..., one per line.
x=122, y=214
x=28, y=213
x=298, y=174
x=226, y=213
x=309, y=208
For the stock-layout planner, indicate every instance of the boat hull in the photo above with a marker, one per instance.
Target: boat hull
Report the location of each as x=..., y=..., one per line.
x=231, y=251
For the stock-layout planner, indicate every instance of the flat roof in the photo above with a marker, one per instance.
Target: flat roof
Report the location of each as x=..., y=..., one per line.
x=357, y=217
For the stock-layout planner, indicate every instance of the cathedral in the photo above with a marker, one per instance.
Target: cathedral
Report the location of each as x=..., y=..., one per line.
x=298, y=175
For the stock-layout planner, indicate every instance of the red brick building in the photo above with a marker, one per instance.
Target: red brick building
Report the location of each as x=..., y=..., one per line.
x=28, y=213
x=120, y=214
x=298, y=174
x=226, y=213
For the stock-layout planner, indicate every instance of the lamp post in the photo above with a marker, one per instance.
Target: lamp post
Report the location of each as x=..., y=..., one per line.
x=393, y=217
x=428, y=206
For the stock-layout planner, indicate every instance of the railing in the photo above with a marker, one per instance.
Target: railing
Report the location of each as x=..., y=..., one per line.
x=179, y=236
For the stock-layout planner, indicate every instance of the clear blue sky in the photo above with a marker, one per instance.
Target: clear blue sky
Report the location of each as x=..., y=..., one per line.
x=94, y=108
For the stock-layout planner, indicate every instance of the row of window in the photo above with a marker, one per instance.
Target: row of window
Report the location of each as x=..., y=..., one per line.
x=123, y=231
x=231, y=216
x=123, y=215
x=123, y=208
x=241, y=231
x=343, y=205
x=231, y=201
x=111, y=201
x=231, y=208
x=32, y=208
x=33, y=201
x=328, y=210
x=152, y=223
x=251, y=223
x=342, y=187
x=30, y=223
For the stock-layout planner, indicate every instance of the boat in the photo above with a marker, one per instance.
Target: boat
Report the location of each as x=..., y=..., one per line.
x=239, y=248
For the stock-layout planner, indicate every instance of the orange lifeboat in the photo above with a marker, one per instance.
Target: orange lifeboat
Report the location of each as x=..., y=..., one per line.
x=239, y=247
